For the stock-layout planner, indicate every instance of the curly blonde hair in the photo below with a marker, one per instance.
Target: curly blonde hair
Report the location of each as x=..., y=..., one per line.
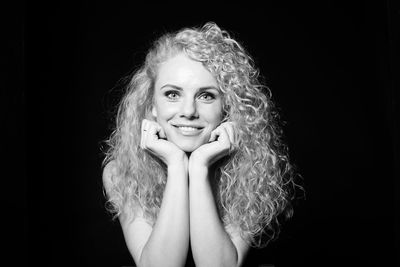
x=254, y=185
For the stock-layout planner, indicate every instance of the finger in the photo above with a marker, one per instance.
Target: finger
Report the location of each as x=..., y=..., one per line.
x=231, y=132
x=220, y=135
x=152, y=132
x=143, y=133
x=224, y=137
x=214, y=134
x=161, y=133
x=146, y=133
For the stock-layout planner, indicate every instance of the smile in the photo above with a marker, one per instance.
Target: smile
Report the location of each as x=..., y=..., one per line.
x=188, y=130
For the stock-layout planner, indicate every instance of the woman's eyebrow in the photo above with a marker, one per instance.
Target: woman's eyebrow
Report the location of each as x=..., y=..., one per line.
x=172, y=86
x=208, y=87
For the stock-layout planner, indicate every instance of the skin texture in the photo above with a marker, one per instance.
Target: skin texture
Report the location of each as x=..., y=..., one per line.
x=185, y=94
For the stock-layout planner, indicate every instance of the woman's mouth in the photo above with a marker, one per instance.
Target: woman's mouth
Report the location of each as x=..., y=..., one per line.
x=188, y=130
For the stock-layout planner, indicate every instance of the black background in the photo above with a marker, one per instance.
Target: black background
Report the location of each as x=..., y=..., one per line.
x=333, y=71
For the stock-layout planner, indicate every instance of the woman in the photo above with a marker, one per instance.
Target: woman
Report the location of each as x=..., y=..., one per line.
x=195, y=160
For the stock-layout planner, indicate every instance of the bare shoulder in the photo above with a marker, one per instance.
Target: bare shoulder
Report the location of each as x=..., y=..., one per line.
x=241, y=245
x=109, y=171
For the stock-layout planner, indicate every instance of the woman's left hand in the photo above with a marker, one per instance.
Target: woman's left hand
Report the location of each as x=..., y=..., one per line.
x=221, y=143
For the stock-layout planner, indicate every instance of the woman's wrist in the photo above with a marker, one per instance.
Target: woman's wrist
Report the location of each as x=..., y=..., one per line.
x=197, y=163
x=178, y=163
x=197, y=171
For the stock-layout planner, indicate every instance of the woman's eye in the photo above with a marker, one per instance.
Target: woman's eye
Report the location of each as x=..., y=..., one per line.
x=172, y=94
x=207, y=96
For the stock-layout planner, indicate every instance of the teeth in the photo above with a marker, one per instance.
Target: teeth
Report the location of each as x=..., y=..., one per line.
x=185, y=128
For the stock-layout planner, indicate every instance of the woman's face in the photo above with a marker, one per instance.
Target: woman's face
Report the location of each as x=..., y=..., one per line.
x=187, y=102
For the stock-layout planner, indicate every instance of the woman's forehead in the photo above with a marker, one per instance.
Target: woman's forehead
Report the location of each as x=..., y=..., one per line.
x=182, y=71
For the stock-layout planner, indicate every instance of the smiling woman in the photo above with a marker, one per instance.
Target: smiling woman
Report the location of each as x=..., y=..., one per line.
x=196, y=160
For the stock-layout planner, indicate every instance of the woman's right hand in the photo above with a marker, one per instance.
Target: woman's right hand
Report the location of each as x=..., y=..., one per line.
x=153, y=140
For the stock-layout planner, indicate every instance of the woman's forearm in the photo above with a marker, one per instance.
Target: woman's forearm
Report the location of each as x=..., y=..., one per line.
x=169, y=241
x=211, y=245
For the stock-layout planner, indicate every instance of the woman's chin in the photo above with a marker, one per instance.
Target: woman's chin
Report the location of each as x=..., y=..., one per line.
x=188, y=148
x=186, y=144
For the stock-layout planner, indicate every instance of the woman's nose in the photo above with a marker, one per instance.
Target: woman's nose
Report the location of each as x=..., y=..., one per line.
x=189, y=109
